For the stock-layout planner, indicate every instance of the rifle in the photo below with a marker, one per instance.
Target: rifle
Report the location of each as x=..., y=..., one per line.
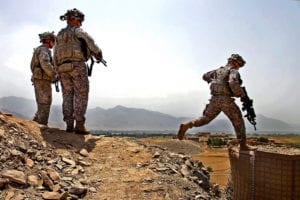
x=90, y=68
x=248, y=106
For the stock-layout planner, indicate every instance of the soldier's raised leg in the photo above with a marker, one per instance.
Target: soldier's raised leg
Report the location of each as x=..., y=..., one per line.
x=210, y=112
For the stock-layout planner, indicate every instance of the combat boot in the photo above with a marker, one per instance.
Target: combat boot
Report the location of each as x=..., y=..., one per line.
x=80, y=129
x=70, y=126
x=246, y=147
x=183, y=128
x=35, y=118
x=43, y=116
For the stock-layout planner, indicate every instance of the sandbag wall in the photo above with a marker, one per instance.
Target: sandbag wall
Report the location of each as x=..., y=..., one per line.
x=264, y=175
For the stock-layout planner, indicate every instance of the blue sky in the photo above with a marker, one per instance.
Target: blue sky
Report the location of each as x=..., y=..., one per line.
x=158, y=50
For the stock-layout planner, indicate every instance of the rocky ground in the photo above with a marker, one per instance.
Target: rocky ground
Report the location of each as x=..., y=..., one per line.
x=48, y=163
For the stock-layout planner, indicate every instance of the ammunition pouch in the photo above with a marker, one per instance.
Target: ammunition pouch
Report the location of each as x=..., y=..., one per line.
x=65, y=67
x=218, y=89
x=68, y=47
x=39, y=74
x=73, y=52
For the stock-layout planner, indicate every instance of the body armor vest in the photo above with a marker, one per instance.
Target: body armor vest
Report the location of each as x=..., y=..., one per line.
x=68, y=47
x=219, y=84
x=35, y=65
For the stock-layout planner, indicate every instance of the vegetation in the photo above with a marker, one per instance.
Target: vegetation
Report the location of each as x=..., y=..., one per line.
x=263, y=139
x=209, y=169
x=134, y=133
x=216, y=142
x=288, y=139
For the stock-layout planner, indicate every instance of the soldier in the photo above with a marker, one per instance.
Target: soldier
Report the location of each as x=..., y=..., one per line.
x=225, y=83
x=72, y=49
x=43, y=75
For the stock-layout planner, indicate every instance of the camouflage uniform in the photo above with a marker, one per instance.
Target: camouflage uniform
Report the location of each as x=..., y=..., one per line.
x=72, y=49
x=225, y=83
x=42, y=75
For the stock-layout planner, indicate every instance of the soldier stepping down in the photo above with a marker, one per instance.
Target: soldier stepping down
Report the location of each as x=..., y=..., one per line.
x=225, y=83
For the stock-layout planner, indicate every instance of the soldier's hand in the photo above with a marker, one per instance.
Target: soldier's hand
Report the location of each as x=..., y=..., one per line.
x=55, y=78
x=99, y=56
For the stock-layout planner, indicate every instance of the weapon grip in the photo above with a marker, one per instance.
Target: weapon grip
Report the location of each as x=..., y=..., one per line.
x=90, y=69
x=56, y=86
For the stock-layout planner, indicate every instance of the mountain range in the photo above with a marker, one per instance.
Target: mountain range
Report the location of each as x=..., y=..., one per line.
x=124, y=118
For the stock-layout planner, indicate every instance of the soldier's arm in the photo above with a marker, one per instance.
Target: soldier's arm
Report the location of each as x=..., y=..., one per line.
x=93, y=47
x=46, y=65
x=33, y=60
x=235, y=83
x=55, y=67
x=209, y=76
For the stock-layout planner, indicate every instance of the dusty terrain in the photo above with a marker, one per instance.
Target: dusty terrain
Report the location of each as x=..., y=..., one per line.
x=218, y=160
x=98, y=167
x=214, y=158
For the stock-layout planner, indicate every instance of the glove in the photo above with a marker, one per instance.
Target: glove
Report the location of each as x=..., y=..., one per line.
x=55, y=78
x=99, y=56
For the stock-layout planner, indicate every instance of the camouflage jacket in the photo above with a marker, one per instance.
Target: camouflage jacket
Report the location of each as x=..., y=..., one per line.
x=74, y=45
x=225, y=81
x=41, y=64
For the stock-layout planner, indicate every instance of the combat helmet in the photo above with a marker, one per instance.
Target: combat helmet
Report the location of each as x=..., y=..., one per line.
x=73, y=14
x=238, y=58
x=47, y=36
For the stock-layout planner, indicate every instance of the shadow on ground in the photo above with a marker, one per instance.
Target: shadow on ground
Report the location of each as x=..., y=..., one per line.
x=63, y=140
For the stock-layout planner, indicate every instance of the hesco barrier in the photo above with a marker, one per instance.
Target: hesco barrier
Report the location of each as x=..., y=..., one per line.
x=264, y=176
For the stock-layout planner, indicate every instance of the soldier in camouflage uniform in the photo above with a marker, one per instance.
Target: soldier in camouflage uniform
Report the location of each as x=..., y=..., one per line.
x=225, y=83
x=42, y=76
x=72, y=49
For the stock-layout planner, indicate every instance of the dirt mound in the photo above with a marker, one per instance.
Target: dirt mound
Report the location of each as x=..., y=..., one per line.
x=48, y=163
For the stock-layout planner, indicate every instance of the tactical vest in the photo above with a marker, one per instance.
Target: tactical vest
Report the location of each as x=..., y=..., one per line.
x=68, y=48
x=36, y=69
x=220, y=85
x=35, y=60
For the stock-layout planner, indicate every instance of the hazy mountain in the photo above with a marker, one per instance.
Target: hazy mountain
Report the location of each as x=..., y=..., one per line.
x=123, y=118
x=26, y=108
x=117, y=118
x=269, y=124
x=264, y=125
x=20, y=107
x=120, y=118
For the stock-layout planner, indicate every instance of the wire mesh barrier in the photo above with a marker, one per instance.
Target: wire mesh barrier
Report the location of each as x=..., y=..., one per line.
x=263, y=175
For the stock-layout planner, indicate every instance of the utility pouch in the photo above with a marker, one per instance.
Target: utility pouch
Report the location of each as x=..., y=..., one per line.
x=66, y=67
x=37, y=73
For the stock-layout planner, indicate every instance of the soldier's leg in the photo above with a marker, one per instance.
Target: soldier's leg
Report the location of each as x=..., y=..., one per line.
x=44, y=111
x=68, y=100
x=36, y=84
x=81, y=92
x=210, y=112
x=35, y=117
x=233, y=112
x=43, y=93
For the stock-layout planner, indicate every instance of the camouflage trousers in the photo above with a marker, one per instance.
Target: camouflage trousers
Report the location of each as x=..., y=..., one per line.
x=230, y=109
x=43, y=96
x=75, y=90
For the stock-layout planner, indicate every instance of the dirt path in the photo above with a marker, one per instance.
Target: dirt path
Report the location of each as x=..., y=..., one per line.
x=116, y=170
